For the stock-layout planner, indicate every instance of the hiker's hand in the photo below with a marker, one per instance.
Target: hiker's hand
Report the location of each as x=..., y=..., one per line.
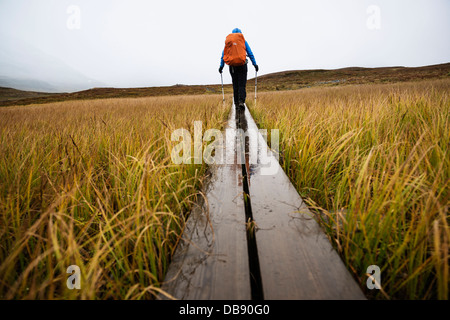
x=220, y=69
x=256, y=68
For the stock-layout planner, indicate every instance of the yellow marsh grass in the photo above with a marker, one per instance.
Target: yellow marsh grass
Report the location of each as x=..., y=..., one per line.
x=91, y=183
x=373, y=161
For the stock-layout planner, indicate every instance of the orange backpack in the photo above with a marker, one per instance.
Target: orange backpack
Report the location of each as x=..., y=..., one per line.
x=235, y=53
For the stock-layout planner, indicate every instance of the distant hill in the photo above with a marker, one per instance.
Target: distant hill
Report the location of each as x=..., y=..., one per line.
x=10, y=94
x=286, y=80
x=291, y=80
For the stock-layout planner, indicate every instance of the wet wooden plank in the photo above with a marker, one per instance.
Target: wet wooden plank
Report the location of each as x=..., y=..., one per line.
x=211, y=262
x=296, y=259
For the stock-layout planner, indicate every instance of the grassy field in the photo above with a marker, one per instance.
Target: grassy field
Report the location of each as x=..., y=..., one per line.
x=373, y=161
x=91, y=183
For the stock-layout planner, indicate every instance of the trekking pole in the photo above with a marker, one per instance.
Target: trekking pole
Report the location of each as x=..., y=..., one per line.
x=223, y=94
x=256, y=84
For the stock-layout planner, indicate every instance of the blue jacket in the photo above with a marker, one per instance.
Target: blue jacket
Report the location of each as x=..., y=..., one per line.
x=247, y=48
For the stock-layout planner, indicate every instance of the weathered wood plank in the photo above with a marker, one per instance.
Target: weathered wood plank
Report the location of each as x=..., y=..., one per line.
x=296, y=259
x=212, y=262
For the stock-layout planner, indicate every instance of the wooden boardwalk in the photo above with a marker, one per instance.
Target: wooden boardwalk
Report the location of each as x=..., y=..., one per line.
x=286, y=257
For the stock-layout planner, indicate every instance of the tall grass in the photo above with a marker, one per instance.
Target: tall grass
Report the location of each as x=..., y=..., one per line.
x=91, y=183
x=373, y=162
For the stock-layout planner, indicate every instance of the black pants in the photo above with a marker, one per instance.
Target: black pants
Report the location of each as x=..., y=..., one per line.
x=239, y=78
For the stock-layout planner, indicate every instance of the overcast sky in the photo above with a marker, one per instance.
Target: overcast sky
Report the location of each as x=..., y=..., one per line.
x=127, y=43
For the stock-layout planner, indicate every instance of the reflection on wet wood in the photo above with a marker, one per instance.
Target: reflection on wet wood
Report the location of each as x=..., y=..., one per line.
x=211, y=262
